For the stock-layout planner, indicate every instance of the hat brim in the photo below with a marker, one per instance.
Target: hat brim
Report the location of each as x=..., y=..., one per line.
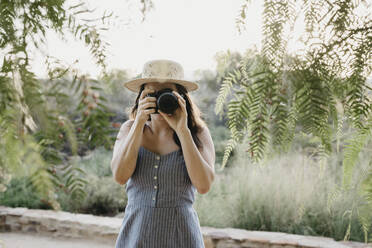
x=135, y=84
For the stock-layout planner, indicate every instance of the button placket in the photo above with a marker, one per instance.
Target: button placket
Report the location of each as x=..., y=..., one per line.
x=155, y=176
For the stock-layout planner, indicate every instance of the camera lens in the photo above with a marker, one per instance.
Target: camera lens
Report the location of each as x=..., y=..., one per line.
x=167, y=102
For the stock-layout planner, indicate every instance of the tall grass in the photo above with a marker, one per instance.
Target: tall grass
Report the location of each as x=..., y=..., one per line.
x=292, y=193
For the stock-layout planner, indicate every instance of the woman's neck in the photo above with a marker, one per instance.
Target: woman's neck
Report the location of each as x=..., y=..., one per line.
x=160, y=127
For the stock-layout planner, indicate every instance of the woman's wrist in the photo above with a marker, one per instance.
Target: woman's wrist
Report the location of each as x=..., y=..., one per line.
x=183, y=131
x=139, y=123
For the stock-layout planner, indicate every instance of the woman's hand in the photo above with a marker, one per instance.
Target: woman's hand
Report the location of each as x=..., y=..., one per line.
x=143, y=104
x=177, y=121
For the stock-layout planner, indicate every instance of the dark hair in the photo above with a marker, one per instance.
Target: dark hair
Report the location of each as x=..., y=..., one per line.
x=195, y=121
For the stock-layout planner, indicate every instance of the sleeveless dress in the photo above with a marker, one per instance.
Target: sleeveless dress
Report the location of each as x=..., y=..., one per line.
x=159, y=213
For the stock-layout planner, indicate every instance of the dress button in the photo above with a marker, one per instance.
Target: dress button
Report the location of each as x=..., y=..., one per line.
x=155, y=177
x=156, y=166
x=157, y=157
x=155, y=187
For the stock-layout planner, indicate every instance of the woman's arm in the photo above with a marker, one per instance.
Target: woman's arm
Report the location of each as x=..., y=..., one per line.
x=200, y=164
x=126, y=148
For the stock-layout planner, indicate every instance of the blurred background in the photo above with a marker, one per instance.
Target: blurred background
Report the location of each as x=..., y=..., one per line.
x=285, y=88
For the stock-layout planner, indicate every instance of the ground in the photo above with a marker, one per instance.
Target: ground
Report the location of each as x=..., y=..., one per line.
x=23, y=240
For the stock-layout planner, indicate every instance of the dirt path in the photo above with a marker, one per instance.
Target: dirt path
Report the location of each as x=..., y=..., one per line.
x=23, y=240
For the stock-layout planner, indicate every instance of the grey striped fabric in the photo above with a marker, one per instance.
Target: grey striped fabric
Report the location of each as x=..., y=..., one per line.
x=159, y=213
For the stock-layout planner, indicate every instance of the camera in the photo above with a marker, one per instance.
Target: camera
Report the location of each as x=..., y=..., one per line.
x=166, y=101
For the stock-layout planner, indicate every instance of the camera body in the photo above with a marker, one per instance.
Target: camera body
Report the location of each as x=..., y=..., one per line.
x=166, y=101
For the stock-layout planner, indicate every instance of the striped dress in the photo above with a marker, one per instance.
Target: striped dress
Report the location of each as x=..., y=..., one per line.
x=159, y=213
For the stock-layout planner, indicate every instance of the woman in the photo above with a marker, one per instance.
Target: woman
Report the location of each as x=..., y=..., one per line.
x=163, y=159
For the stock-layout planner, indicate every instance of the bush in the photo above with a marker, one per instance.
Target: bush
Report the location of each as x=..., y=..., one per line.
x=104, y=197
x=97, y=162
x=291, y=194
x=20, y=193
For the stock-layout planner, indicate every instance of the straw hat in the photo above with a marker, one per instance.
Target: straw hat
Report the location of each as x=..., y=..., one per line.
x=161, y=71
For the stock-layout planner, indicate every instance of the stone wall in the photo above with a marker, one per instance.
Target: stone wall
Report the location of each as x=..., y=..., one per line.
x=65, y=224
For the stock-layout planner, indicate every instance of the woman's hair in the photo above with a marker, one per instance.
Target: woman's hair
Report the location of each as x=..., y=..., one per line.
x=195, y=121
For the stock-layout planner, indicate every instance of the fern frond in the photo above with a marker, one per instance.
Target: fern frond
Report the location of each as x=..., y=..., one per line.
x=365, y=218
x=358, y=95
x=69, y=129
x=225, y=90
x=333, y=195
x=23, y=158
x=352, y=150
x=279, y=118
x=231, y=144
x=348, y=230
x=313, y=99
x=72, y=176
x=275, y=16
x=366, y=185
x=340, y=123
x=240, y=19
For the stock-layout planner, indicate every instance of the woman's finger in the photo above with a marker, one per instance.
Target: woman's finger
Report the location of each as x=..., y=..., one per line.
x=179, y=96
x=145, y=92
x=150, y=111
x=148, y=104
x=176, y=93
x=182, y=104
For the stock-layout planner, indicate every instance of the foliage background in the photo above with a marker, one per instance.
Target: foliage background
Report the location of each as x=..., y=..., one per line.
x=303, y=118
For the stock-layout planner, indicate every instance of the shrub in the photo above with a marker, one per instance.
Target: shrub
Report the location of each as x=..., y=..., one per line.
x=20, y=193
x=292, y=194
x=104, y=197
